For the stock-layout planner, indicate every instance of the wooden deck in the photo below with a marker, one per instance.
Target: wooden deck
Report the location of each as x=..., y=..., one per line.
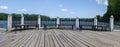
x=66, y=38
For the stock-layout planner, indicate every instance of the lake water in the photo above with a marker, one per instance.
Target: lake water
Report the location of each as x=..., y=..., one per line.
x=3, y=24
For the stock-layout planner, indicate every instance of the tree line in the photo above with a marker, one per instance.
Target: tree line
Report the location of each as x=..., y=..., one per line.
x=4, y=16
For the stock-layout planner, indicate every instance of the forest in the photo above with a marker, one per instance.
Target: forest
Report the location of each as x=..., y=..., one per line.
x=4, y=16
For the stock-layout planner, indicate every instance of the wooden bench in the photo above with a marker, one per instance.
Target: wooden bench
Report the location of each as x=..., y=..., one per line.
x=59, y=26
x=103, y=27
x=81, y=26
x=95, y=27
x=47, y=25
x=26, y=26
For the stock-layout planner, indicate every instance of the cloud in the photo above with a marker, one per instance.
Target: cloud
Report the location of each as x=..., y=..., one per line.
x=64, y=10
x=22, y=10
x=72, y=12
x=104, y=2
x=99, y=1
x=60, y=5
x=3, y=7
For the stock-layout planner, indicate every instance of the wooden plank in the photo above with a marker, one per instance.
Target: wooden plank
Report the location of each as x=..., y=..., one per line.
x=51, y=43
x=17, y=42
x=65, y=43
x=69, y=42
x=99, y=40
x=42, y=40
x=54, y=40
x=27, y=41
x=39, y=38
x=33, y=40
x=74, y=40
x=66, y=38
x=106, y=36
x=57, y=38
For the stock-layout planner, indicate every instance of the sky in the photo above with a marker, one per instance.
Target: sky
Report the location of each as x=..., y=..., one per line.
x=56, y=8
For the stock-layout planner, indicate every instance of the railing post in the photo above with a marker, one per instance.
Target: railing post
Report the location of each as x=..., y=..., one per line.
x=39, y=21
x=22, y=20
x=95, y=22
x=77, y=22
x=9, y=26
x=111, y=23
x=58, y=22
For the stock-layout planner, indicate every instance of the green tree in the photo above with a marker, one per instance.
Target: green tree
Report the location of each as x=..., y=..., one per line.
x=112, y=9
x=4, y=16
x=99, y=17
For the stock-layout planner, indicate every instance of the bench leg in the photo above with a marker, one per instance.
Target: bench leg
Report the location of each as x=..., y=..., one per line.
x=38, y=27
x=80, y=28
x=20, y=28
x=72, y=27
x=15, y=29
x=93, y=28
x=102, y=29
x=45, y=27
